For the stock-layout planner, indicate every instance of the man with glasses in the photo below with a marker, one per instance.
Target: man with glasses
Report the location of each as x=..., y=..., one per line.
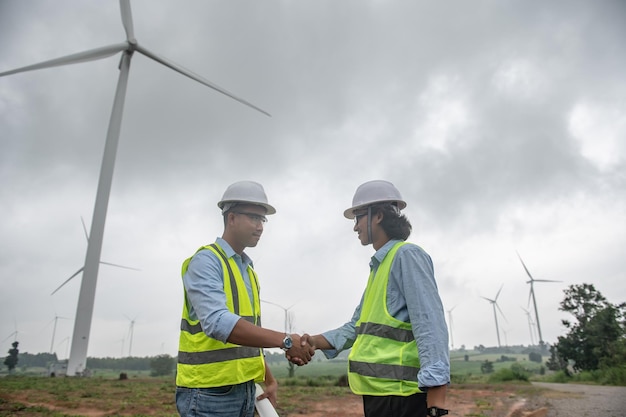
x=399, y=360
x=220, y=355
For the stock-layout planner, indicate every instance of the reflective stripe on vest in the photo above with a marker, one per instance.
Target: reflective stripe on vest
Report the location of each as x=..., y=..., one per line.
x=384, y=358
x=206, y=362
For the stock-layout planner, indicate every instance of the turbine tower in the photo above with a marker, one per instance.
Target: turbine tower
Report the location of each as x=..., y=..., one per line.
x=450, y=322
x=530, y=326
x=84, y=310
x=494, y=304
x=532, y=295
x=131, y=331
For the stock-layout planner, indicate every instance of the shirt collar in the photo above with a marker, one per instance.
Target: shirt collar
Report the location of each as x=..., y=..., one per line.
x=380, y=254
x=230, y=252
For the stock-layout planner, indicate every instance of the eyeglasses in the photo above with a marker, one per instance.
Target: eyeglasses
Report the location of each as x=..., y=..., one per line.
x=357, y=217
x=256, y=218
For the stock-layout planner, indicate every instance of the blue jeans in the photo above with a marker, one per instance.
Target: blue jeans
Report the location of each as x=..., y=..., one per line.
x=228, y=401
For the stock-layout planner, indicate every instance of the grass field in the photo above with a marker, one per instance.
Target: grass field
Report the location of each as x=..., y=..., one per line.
x=458, y=366
x=29, y=393
x=31, y=396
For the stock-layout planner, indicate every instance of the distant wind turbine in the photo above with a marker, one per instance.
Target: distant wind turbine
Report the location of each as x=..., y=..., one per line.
x=122, y=340
x=287, y=321
x=450, y=322
x=530, y=326
x=84, y=311
x=12, y=335
x=81, y=269
x=131, y=331
x=494, y=304
x=54, y=329
x=532, y=295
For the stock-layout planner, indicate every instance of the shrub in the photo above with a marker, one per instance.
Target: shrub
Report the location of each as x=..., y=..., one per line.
x=535, y=357
x=559, y=377
x=515, y=373
x=486, y=367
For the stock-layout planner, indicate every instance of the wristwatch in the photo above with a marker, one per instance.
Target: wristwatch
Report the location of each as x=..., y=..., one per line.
x=287, y=343
x=436, y=412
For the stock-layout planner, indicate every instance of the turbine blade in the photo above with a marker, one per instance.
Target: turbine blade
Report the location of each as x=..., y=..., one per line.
x=48, y=324
x=120, y=266
x=196, y=77
x=524, y=265
x=90, y=55
x=503, y=316
x=127, y=21
x=68, y=280
x=84, y=228
x=545, y=280
x=9, y=336
x=499, y=292
x=530, y=293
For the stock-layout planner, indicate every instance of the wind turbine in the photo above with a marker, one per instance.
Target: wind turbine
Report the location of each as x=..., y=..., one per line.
x=532, y=294
x=122, y=340
x=288, y=328
x=84, y=310
x=81, y=269
x=530, y=325
x=12, y=335
x=54, y=330
x=494, y=304
x=131, y=331
x=450, y=321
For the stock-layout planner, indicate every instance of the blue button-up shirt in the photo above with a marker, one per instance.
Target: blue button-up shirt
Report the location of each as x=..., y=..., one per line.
x=204, y=285
x=412, y=296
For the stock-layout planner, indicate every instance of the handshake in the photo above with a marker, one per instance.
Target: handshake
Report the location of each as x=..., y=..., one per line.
x=302, y=350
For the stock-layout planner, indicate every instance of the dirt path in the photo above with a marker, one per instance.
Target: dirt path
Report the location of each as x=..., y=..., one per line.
x=467, y=400
x=569, y=400
x=553, y=400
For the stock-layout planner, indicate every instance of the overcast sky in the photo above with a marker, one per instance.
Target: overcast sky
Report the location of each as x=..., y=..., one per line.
x=503, y=124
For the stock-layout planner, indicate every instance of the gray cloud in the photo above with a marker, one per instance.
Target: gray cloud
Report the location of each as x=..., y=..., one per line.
x=501, y=124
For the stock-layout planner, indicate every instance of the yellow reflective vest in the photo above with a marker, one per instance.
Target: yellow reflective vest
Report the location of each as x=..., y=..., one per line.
x=204, y=362
x=384, y=358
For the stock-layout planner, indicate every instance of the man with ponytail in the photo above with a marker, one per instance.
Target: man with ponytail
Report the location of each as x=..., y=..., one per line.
x=399, y=360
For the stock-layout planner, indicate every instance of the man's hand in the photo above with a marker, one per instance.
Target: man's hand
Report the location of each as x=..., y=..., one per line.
x=270, y=391
x=301, y=352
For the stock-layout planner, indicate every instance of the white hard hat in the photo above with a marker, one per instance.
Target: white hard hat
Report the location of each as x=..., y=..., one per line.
x=245, y=192
x=372, y=192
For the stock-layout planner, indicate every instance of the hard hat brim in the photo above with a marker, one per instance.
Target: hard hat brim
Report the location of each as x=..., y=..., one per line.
x=349, y=213
x=269, y=209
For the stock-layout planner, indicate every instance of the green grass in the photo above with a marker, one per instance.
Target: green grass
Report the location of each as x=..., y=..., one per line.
x=314, y=369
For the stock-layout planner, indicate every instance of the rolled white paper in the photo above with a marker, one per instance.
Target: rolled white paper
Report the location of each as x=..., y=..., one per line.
x=264, y=407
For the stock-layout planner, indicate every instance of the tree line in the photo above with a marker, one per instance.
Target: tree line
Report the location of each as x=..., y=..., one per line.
x=596, y=337
x=158, y=365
